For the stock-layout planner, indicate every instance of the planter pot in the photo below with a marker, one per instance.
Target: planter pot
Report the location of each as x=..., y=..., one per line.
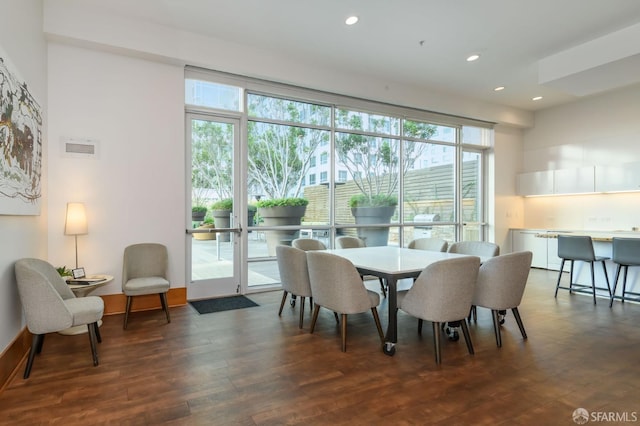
x=370, y=215
x=280, y=216
x=222, y=219
x=198, y=216
x=209, y=236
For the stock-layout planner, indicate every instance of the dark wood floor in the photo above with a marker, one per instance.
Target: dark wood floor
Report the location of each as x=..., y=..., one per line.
x=250, y=367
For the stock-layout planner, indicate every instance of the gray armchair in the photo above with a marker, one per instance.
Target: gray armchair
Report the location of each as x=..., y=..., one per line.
x=144, y=271
x=500, y=286
x=50, y=306
x=294, y=276
x=307, y=244
x=443, y=293
x=336, y=285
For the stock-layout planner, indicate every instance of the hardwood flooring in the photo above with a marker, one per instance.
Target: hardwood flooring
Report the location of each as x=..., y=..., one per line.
x=251, y=367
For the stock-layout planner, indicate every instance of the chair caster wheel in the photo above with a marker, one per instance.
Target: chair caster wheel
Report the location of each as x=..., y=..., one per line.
x=293, y=303
x=389, y=348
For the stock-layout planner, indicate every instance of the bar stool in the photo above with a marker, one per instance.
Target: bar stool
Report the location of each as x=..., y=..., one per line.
x=580, y=247
x=626, y=252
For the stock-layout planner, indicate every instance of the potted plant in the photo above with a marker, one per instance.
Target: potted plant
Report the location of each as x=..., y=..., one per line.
x=198, y=213
x=221, y=212
x=374, y=209
x=207, y=224
x=281, y=212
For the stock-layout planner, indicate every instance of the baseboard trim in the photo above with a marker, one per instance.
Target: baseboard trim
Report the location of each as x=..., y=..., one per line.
x=12, y=357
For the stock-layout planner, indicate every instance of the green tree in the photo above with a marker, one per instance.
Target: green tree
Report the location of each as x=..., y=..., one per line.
x=211, y=162
x=280, y=154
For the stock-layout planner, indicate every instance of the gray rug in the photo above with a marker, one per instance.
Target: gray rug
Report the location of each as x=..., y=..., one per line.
x=208, y=306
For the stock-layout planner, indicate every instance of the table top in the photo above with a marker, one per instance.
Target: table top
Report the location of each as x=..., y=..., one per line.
x=84, y=289
x=391, y=260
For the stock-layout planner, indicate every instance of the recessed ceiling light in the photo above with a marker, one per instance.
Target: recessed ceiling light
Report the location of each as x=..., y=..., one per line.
x=499, y=88
x=473, y=58
x=537, y=98
x=351, y=20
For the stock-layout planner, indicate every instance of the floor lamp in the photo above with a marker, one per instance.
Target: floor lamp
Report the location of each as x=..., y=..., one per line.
x=76, y=223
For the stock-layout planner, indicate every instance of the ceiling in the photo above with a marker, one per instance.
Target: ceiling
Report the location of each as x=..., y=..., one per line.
x=575, y=47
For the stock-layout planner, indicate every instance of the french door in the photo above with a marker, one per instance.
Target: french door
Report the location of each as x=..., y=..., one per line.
x=214, y=242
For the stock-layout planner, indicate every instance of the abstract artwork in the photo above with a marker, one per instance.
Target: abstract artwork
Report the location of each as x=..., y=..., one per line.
x=20, y=144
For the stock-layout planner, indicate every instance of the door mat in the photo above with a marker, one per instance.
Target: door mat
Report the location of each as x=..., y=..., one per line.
x=208, y=306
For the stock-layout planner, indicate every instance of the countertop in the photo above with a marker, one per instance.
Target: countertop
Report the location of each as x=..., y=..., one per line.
x=600, y=235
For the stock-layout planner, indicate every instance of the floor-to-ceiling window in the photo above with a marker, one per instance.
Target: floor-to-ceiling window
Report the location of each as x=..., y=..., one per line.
x=387, y=174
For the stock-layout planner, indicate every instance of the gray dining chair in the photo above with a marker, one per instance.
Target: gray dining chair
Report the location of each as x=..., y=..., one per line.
x=480, y=249
x=443, y=293
x=348, y=242
x=308, y=244
x=145, y=271
x=430, y=244
x=580, y=248
x=500, y=286
x=294, y=276
x=625, y=253
x=336, y=285
x=50, y=306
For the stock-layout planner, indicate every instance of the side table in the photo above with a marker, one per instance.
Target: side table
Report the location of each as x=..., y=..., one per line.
x=82, y=290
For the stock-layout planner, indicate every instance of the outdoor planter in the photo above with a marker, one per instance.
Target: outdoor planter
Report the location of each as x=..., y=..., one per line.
x=280, y=216
x=222, y=219
x=370, y=215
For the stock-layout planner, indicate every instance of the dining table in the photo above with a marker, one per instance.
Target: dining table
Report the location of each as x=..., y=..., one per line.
x=391, y=263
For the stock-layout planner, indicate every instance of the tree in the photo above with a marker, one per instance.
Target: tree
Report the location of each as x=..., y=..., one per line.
x=280, y=155
x=372, y=160
x=211, y=162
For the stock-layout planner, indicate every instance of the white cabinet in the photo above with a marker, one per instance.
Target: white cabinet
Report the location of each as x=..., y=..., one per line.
x=526, y=240
x=579, y=180
x=535, y=183
x=622, y=177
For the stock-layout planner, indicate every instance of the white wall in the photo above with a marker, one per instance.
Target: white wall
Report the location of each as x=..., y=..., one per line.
x=135, y=189
x=599, y=130
x=22, y=236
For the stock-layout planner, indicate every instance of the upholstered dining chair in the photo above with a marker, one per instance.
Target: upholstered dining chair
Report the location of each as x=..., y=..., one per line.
x=480, y=249
x=336, y=285
x=347, y=242
x=626, y=252
x=580, y=248
x=500, y=286
x=441, y=294
x=308, y=244
x=144, y=271
x=50, y=306
x=294, y=276
x=430, y=244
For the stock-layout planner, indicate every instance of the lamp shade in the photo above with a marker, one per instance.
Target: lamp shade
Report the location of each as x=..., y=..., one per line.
x=76, y=220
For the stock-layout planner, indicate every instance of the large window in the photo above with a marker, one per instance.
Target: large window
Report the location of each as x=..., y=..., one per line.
x=344, y=155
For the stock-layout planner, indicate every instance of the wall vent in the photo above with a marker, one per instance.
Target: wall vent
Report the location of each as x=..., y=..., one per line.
x=80, y=148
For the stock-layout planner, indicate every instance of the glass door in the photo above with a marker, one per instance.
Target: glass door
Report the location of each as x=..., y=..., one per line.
x=214, y=227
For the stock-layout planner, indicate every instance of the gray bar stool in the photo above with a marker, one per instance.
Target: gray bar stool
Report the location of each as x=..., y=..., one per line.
x=580, y=247
x=626, y=252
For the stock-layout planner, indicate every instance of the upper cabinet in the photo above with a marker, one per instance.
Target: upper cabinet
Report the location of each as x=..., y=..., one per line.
x=580, y=180
x=552, y=182
x=535, y=183
x=621, y=177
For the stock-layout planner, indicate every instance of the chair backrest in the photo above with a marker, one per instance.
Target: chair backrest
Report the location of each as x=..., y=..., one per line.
x=443, y=291
x=294, y=274
x=502, y=279
x=42, y=293
x=626, y=251
x=431, y=244
x=475, y=248
x=576, y=247
x=336, y=283
x=308, y=244
x=349, y=242
x=144, y=260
